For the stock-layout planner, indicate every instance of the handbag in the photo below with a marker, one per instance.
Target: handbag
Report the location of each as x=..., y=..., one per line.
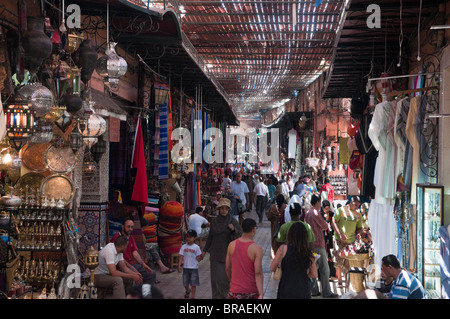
x=312, y=161
x=277, y=274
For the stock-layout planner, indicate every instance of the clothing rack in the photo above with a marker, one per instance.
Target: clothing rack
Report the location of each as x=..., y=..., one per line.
x=402, y=76
x=394, y=93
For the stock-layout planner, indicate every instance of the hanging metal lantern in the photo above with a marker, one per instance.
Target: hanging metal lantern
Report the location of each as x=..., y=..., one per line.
x=19, y=118
x=92, y=128
x=76, y=140
x=73, y=42
x=98, y=149
x=89, y=166
x=40, y=97
x=161, y=92
x=111, y=66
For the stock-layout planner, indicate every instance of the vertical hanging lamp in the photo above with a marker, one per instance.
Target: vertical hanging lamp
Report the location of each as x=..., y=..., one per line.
x=110, y=66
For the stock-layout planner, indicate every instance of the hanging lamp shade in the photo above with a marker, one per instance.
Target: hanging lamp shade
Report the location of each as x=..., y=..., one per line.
x=98, y=149
x=89, y=166
x=91, y=128
x=111, y=66
x=76, y=140
x=161, y=92
x=40, y=97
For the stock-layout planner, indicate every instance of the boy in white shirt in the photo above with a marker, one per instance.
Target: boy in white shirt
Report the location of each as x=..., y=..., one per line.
x=190, y=255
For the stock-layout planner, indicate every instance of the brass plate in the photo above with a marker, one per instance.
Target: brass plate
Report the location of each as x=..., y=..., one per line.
x=60, y=159
x=33, y=157
x=33, y=180
x=58, y=186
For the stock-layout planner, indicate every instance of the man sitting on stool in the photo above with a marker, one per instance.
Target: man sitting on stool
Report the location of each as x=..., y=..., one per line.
x=112, y=272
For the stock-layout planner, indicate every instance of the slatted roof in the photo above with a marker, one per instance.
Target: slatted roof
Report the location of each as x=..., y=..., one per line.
x=260, y=51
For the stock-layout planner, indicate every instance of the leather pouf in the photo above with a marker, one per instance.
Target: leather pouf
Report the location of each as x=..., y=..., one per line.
x=169, y=231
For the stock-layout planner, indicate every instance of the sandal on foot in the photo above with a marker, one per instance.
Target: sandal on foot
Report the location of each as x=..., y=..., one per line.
x=168, y=271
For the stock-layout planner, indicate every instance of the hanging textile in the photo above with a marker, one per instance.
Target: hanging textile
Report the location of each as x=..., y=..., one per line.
x=344, y=152
x=170, y=123
x=292, y=144
x=412, y=138
x=163, y=163
x=156, y=139
x=119, y=163
x=140, y=190
x=444, y=260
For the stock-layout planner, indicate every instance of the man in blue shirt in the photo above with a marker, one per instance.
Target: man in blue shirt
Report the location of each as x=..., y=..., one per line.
x=405, y=285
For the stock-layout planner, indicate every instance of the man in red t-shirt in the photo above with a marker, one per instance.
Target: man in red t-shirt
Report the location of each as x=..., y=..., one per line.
x=327, y=187
x=131, y=255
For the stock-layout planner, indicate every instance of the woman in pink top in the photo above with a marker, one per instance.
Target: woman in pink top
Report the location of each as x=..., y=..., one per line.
x=244, y=265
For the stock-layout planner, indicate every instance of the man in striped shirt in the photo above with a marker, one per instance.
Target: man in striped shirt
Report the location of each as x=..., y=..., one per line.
x=405, y=285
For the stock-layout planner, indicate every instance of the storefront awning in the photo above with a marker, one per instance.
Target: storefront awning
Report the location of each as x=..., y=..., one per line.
x=106, y=105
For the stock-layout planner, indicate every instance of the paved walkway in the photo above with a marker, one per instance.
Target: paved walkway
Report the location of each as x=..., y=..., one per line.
x=172, y=286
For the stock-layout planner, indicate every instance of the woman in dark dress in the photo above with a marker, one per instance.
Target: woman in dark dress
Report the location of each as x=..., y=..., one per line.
x=297, y=265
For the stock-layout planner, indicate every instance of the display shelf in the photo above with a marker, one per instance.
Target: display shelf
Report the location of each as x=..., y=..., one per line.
x=429, y=219
x=39, y=243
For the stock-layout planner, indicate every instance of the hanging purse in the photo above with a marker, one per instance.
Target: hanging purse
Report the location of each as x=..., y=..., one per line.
x=278, y=272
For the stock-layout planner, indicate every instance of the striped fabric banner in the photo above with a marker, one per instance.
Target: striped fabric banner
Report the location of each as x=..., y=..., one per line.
x=163, y=167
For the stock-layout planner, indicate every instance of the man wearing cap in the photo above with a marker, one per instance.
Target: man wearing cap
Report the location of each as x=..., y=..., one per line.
x=224, y=229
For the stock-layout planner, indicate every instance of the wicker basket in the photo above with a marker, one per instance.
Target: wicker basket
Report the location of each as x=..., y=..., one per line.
x=357, y=280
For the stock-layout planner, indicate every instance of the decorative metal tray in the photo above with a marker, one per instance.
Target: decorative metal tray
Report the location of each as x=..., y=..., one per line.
x=60, y=159
x=58, y=186
x=33, y=180
x=33, y=157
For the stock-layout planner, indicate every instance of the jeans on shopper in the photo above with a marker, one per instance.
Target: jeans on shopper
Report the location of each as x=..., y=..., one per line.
x=324, y=273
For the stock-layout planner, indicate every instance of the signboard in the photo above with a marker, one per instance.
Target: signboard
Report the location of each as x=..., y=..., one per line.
x=114, y=129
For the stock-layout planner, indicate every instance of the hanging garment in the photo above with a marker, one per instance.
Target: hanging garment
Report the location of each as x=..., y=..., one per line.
x=400, y=138
x=292, y=136
x=344, y=152
x=366, y=147
x=412, y=138
x=444, y=260
x=383, y=228
x=384, y=176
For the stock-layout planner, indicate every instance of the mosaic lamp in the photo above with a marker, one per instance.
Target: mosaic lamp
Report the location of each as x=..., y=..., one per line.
x=19, y=118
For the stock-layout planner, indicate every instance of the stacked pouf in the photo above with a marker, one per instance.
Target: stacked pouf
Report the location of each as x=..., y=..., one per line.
x=169, y=230
x=150, y=231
